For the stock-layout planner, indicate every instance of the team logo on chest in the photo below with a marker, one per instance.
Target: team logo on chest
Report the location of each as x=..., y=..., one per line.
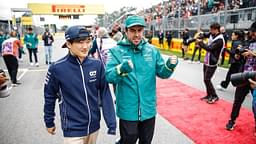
x=93, y=73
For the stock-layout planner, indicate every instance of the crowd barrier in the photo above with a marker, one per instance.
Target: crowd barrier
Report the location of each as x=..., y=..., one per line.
x=176, y=45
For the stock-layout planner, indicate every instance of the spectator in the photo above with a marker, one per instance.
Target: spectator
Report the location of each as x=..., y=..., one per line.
x=10, y=54
x=149, y=36
x=101, y=45
x=48, y=41
x=199, y=31
x=252, y=3
x=185, y=37
x=161, y=39
x=226, y=37
x=21, y=50
x=31, y=42
x=169, y=39
x=116, y=32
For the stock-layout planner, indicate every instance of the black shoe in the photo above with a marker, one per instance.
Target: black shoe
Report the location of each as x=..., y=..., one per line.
x=15, y=84
x=205, y=97
x=230, y=125
x=18, y=83
x=212, y=99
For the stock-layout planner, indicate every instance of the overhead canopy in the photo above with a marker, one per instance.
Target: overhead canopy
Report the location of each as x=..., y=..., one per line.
x=20, y=10
x=7, y=13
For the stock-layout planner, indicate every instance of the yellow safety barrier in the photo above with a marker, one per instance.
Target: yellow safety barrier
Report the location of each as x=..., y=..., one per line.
x=176, y=45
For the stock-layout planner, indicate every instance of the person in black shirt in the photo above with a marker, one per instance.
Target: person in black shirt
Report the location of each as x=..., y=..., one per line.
x=213, y=50
x=169, y=39
x=48, y=40
x=185, y=37
x=236, y=60
x=161, y=39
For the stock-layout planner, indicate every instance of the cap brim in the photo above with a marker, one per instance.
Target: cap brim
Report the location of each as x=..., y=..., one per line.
x=64, y=45
x=82, y=37
x=135, y=24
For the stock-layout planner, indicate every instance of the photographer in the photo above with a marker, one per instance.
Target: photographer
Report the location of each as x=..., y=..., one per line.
x=253, y=86
x=236, y=59
x=242, y=91
x=214, y=48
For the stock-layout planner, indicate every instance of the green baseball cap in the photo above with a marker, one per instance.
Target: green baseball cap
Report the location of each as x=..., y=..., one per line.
x=134, y=20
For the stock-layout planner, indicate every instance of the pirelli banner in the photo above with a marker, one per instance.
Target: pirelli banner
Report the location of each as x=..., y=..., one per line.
x=66, y=9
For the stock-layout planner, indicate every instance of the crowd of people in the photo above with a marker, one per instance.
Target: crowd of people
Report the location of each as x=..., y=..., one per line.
x=188, y=8
x=12, y=49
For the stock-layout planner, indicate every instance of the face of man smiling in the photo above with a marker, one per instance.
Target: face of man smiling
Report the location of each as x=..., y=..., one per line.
x=80, y=47
x=135, y=34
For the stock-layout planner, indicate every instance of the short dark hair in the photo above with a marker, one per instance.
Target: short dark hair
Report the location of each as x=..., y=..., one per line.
x=13, y=33
x=30, y=28
x=239, y=34
x=215, y=26
x=78, y=39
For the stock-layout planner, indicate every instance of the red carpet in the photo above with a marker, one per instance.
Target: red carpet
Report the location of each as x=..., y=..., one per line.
x=204, y=123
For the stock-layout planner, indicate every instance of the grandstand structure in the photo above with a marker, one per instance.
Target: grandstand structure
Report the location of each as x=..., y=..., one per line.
x=176, y=15
x=231, y=19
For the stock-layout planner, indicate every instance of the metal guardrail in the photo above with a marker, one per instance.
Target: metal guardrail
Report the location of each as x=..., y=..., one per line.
x=231, y=19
